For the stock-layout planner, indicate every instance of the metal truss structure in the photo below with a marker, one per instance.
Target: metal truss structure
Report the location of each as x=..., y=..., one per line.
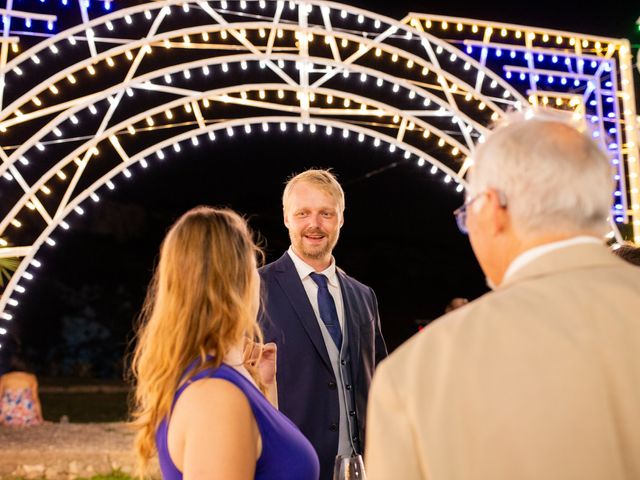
x=85, y=108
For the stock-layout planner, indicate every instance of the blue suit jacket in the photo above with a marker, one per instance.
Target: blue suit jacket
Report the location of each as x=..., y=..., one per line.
x=307, y=387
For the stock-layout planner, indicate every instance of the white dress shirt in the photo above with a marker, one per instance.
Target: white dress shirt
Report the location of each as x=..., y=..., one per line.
x=311, y=288
x=530, y=255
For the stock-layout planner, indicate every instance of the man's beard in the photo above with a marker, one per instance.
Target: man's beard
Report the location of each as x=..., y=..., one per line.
x=319, y=252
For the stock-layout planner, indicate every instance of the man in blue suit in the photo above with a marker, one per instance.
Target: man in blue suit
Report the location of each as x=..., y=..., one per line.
x=325, y=323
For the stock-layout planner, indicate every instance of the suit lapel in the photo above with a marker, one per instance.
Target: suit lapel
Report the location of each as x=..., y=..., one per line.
x=351, y=320
x=289, y=280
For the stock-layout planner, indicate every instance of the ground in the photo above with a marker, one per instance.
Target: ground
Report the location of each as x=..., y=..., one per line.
x=66, y=450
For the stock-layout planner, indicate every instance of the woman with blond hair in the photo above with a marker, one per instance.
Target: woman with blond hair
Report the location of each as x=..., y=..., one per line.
x=199, y=399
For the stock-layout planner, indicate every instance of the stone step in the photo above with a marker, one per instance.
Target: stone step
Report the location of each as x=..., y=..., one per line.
x=58, y=451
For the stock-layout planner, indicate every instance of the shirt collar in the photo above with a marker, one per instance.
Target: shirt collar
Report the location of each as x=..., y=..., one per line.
x=530, y=255
x=304, y=269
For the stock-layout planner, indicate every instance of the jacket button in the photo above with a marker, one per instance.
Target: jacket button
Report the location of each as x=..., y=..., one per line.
x=352, y=413
x=348, y=387
x=333, y=427
x=343, y=362
x=332, y=385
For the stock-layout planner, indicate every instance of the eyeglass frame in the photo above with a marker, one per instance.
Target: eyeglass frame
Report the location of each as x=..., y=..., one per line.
x=460, y=213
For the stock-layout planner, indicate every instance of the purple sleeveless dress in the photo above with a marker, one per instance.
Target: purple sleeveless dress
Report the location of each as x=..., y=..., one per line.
x=286, y=453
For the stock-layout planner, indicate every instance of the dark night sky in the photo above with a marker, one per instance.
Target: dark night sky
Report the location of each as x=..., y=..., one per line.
x=399, y=235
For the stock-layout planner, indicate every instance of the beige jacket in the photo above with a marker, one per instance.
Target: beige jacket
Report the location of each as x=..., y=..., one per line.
x=539, y=379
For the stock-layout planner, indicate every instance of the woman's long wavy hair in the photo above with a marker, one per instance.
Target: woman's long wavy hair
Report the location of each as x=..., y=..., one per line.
x=203, y=300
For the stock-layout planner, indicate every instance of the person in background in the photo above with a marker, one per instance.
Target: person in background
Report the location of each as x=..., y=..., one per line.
x=325, y=323
x=456, y=302
x=200, y=367
x=541, y=377
x=19, y=399
x=629, y=252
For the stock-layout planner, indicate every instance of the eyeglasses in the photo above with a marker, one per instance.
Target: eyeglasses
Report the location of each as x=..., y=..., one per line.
x=461, y=212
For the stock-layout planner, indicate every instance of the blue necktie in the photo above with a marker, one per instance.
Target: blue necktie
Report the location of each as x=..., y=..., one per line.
x=327, y=307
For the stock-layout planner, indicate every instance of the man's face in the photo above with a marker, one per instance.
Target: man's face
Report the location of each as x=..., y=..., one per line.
x=314, y=219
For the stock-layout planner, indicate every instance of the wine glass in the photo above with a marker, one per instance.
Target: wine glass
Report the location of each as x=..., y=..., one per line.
x=349, y=468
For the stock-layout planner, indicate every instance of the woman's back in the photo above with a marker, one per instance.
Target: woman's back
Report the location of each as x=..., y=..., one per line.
x=19, y=404
x=286, y=453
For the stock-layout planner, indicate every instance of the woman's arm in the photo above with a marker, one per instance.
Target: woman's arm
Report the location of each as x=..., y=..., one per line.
x=213, y=433
x=36, y=398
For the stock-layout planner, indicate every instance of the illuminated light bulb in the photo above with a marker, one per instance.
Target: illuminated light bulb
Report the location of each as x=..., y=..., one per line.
x=13, y=303
x=468, y=96
x=35, y=59
x=127, y=18
x=64, y=225
x=129, y=92
x=150, y=121
x=126, y=173
x=37, y=101
x=223, y=34
x=392, y=148
x=439, y=50
x=453, y=57
x=18, y=70
x=205, y=102
x=243, y=4
x=360, y=18
x=46, y=190
x=444, y=25
x=361, y=137
x=347, y=102
x=425, y=71
x=518, y=34
x=396, y=118
x=186, y=74
x=503, y=32
x=167, y=78
x=96, y=198
x=572, y=41
x=91, y=70
x=262, y=4
x=395, y=88
x=433, y=170
x=481, y=106
x=166, y=43
x=131, y=130
x=54, y=89
x=394, y=57
x=329, y=99
x=280, y=33
x=494, y=116
x=223, y=4
x=585, y=43
x=61, y=175
x=376, y=142
x=280, y=94
x=345, y=133
x=129, y=55
x=225, y=67
x=459, y=27
x=16, y=223
x=474, y=28
x=187, y=107
x=23, y=160
x=247, y=128
x=379, y=82
x=426, y=102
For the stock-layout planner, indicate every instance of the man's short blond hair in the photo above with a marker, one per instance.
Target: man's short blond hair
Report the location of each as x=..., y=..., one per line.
x=322, y=179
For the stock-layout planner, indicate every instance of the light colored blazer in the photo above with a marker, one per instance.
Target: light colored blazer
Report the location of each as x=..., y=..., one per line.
x=539, y=379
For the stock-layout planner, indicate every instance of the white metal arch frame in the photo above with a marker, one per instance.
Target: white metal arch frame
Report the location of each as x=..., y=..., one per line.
x=313, y=64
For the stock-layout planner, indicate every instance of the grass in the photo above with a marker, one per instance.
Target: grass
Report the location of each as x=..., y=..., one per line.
x=115, y=475
x=85, y=407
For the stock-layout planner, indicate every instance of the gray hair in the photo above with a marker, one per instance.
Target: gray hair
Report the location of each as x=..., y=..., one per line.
x=554, y=177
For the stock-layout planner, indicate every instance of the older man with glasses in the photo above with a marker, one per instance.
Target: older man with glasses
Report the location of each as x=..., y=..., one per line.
x=539, y=379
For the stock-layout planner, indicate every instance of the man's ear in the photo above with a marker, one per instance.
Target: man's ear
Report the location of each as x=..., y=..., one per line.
x=500, y=219
x=284, y=218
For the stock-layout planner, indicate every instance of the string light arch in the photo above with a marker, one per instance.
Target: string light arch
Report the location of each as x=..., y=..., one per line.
x=132, y=85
